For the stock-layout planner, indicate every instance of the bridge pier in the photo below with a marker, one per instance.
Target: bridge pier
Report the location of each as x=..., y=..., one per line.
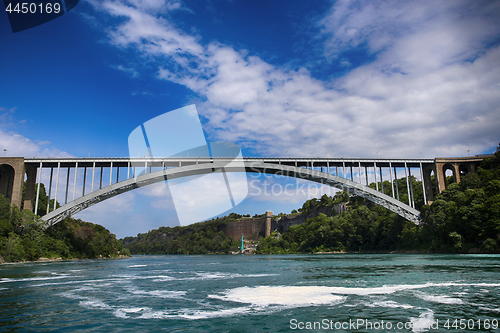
x=12, y=178
x=29, y=194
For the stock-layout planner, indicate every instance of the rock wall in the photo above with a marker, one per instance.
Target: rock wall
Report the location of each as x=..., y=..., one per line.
x=248, y=227
x=251, y=227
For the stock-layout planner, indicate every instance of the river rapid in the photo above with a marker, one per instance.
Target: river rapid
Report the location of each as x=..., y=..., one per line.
x=254, y=293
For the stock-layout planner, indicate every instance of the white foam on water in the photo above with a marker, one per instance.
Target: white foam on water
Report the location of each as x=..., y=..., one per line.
x=489, y=309
x=163, y=278
x=219, y=275
x=287, y=296
x=191, y=314
x=74, y=282
x=424, y=322
x=388, y=289
x=93, y=303
x=199, y=276
x=388, y=304
x=460, y=293
x=1, y=288
x=142, y=277
x=200, y=314
x=120, y=314
x=157, y=293
x=41, y=278
x=443, y=299
x=133, y=310
x=134, y=266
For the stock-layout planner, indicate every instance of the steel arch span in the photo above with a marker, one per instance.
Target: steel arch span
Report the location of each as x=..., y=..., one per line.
x=349, y=186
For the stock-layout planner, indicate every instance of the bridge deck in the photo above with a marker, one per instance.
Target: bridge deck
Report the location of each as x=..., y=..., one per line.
x=123, y=162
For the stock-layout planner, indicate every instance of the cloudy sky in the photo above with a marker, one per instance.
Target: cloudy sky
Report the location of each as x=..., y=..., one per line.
x=279, y=78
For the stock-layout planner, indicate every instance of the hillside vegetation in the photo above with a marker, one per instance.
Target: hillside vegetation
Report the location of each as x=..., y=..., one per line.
x=199, y=238
x=24, y=237
x=464, y=218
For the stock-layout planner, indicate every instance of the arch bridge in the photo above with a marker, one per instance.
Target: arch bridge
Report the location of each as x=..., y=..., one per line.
x=85, y=181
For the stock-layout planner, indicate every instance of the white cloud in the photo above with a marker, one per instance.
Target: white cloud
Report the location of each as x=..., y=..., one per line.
x=128, y=70
x=432, y=86
x=18, y=145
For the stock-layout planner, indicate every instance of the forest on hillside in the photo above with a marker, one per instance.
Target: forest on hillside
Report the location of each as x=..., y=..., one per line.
x=199, y=238
x=24, y=237
x=464, y=218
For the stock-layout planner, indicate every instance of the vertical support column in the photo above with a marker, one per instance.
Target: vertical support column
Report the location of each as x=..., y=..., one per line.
x=352, y=176
x=343, y=166
x=146, y=166
x=128, y=169
x=366, y=175
x=328, y=167
x=390, y=175
x=100, y=182
x=381, y=179
x=411, y=189
x=74, y=185
x=38, y=188
x=111, y=174
x=359, y=169
x=84, y=179
x=117, y=173
x=429, y=193
x=423, y=183
x=407, y=185
x=440, y=177
x=57, y=183
x=375, y=174
x=50, y=188
x=67, y=187
x=396, y=181
x=456, y=167
x=93, y=176
x=29, y=195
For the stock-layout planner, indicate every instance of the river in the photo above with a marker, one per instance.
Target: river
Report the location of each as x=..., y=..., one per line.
x=254, y=293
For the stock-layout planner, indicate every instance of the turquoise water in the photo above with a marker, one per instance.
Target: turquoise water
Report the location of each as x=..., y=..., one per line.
x=252, y=293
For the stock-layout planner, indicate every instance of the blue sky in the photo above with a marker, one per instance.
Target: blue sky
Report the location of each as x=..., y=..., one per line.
x=297, y=78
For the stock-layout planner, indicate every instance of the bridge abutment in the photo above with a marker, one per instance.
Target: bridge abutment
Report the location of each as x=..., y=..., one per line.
x=459, y=166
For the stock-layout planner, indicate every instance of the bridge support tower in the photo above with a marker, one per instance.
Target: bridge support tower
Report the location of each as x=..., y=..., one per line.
x=269, y=215
x=459, y=166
